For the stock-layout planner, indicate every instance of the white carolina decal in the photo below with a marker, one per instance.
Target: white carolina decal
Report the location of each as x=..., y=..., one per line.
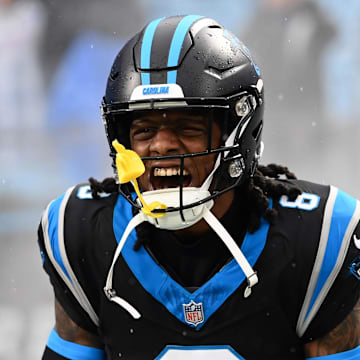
x=144, y=92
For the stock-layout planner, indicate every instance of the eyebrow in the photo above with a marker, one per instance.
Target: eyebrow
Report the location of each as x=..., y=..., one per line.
x=186, y=117
x=141, y=121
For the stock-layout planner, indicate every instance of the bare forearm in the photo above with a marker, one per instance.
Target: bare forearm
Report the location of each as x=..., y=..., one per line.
x=68, y=330
x=344, y=337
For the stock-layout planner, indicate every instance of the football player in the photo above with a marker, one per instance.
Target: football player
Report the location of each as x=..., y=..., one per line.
x=193, y=250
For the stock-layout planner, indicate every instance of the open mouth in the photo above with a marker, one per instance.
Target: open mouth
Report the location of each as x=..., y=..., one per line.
x=170, y=177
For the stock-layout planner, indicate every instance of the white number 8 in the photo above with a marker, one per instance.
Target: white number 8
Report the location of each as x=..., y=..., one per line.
x=305, y=201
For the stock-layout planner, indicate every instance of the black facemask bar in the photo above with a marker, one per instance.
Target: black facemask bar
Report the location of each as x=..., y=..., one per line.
x=116, y=115
x=120, y=112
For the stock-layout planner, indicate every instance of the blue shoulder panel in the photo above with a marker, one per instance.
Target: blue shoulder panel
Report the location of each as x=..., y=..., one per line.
x=343, y=211
x=341, y=216
x=53, y=221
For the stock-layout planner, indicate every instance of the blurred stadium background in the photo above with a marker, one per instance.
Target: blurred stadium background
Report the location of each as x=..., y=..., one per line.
x=54, y=60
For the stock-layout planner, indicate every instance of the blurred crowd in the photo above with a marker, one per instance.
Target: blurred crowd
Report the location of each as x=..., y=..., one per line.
x=54, y=60
x=55, y=57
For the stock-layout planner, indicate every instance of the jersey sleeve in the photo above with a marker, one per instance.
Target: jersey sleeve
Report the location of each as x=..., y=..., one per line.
x=66, y=287
x=334, y=285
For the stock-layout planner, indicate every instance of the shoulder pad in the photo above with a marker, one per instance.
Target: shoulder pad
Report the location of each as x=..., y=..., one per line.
x=340, y=218
x=52, y=223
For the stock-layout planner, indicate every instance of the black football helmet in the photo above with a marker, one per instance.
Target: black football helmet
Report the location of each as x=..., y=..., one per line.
x=190, y=63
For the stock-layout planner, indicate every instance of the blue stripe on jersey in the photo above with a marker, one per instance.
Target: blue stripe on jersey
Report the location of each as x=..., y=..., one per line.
x=343, y=211
x=167, y=291
x=53, y=218
x=353, y=354
x=146, y=49
x=73, y=351
x=176, y=44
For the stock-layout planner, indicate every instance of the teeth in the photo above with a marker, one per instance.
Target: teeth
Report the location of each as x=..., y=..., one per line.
x=168, y=172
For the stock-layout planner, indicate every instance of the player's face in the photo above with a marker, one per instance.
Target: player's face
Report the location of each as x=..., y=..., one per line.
x=173, y=133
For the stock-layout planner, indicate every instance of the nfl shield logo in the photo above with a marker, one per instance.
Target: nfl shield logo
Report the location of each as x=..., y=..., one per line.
x=194, y=313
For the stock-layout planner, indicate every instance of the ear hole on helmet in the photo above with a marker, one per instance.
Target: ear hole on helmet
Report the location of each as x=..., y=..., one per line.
x=257, y=131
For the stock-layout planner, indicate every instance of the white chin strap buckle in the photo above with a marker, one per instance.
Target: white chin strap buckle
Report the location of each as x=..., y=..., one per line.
x=251, y=281
x=171, y=198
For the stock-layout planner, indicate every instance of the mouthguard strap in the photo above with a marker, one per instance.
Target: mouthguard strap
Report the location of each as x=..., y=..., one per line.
x=147, y=208
x=129, y=166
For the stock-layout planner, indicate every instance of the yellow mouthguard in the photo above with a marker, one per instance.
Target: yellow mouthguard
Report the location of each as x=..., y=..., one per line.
x=128, y=163
x=129, y=167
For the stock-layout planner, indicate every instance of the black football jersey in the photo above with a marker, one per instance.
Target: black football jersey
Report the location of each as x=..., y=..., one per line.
x=307, y=263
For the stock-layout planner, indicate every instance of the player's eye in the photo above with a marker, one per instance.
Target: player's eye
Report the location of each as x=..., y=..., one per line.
x=191, y=127
x=191, y=130
x=143, y=133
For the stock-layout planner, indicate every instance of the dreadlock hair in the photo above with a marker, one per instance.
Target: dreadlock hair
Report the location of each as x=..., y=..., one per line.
x=108, y=186
x=262, y=185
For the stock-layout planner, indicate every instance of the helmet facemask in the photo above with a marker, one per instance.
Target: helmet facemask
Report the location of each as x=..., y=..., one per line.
x=172, y=183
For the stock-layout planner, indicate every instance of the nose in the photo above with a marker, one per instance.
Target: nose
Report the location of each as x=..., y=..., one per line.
x=165, y=142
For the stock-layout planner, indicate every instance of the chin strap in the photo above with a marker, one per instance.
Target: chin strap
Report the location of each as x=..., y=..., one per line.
x=108, y=289
x=223, y=234
x=215, y=224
